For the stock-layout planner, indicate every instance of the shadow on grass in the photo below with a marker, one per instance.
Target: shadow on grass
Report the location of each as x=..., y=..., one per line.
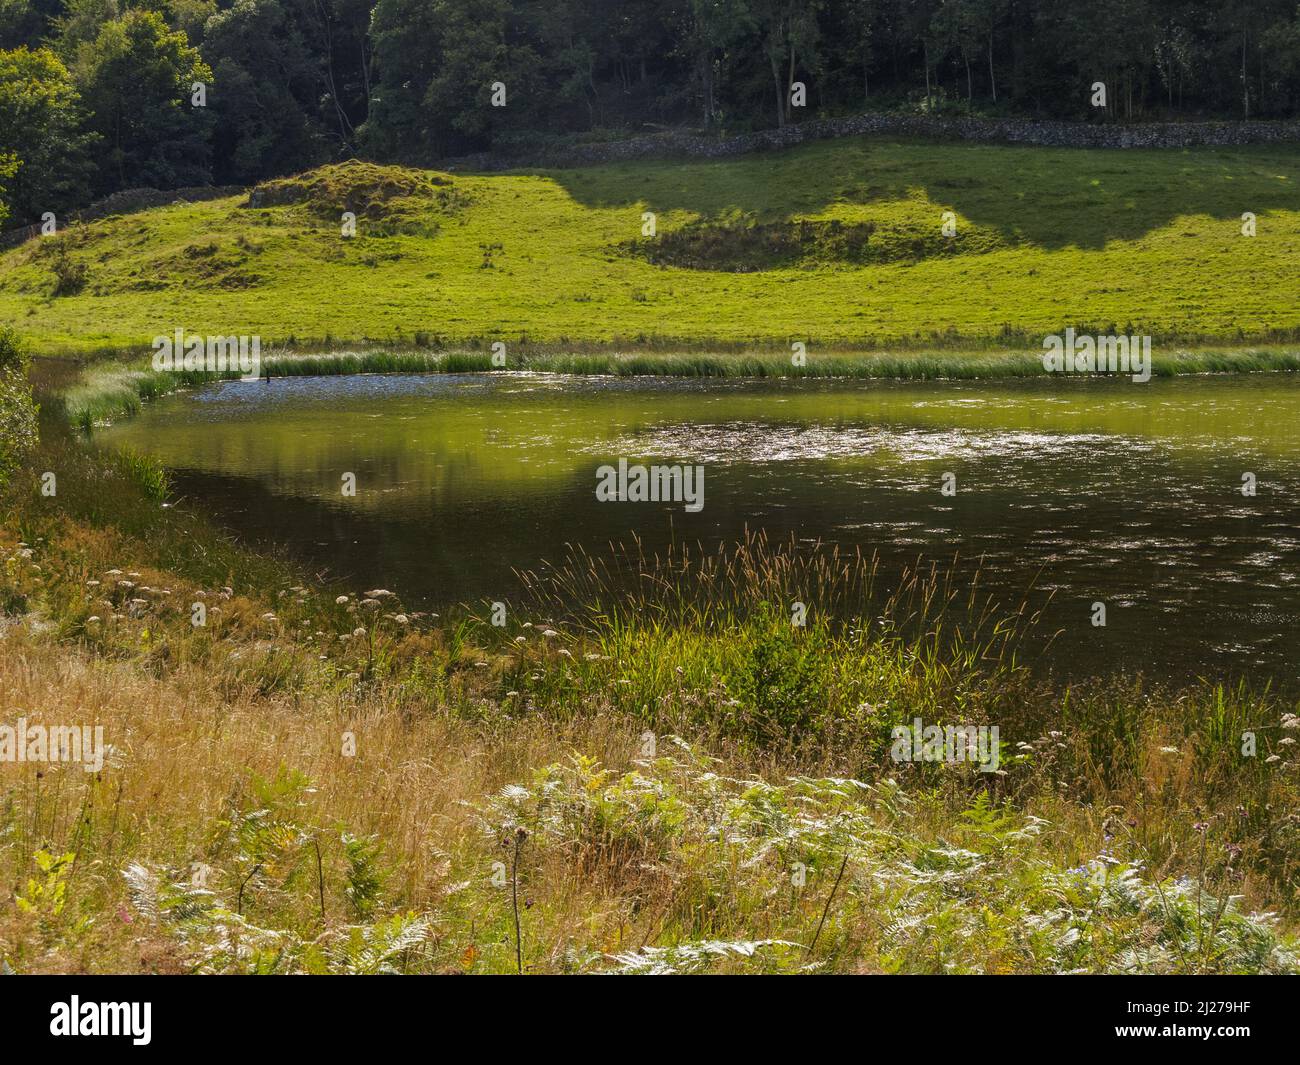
x=1050, y=197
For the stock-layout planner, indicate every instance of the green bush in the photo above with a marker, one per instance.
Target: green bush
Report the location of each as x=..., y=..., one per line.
x=70, y=275
x=782, y=683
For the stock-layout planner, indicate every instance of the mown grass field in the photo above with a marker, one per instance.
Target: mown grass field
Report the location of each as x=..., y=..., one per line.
x=837, y=244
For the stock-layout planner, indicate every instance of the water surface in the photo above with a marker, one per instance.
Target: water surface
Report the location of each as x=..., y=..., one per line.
x=1096, y=490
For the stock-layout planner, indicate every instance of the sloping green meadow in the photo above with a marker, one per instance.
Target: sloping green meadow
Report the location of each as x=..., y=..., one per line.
x=837, y=244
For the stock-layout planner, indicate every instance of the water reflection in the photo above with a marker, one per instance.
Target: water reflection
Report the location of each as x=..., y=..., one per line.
x=1093, y=491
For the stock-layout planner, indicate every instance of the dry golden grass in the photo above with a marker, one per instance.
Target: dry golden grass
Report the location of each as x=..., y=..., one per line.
x=184, y=750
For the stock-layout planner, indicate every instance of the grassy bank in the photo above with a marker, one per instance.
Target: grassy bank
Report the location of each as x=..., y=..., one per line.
x=666, y=774
x=836, y=244
x=113, y=389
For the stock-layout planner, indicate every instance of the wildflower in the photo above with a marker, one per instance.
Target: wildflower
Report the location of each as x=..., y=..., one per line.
x=342, y=600
x=268, y=616
x=401, y=619
x=549, y=633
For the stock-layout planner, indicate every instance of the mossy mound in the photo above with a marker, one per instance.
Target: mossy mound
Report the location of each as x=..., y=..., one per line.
x=393, y=199
x=746, y=247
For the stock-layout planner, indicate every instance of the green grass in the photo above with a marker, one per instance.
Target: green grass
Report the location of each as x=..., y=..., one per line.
x=1132, y=241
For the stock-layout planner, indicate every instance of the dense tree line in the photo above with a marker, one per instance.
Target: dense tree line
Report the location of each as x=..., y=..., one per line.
x=97, y=95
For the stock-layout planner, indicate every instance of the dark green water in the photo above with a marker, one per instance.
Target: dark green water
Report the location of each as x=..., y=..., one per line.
x=1098, y=490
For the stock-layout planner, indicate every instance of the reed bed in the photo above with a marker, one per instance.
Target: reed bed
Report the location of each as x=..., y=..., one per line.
x=114, y=389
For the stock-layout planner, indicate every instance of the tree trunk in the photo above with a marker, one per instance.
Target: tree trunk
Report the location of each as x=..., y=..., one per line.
x=706, y=76
x=1245, y=85
x=926, y=60
x=780, y=97
x=365, y=71
x=1262, y=105
x=789, y=81
x=993, y=81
